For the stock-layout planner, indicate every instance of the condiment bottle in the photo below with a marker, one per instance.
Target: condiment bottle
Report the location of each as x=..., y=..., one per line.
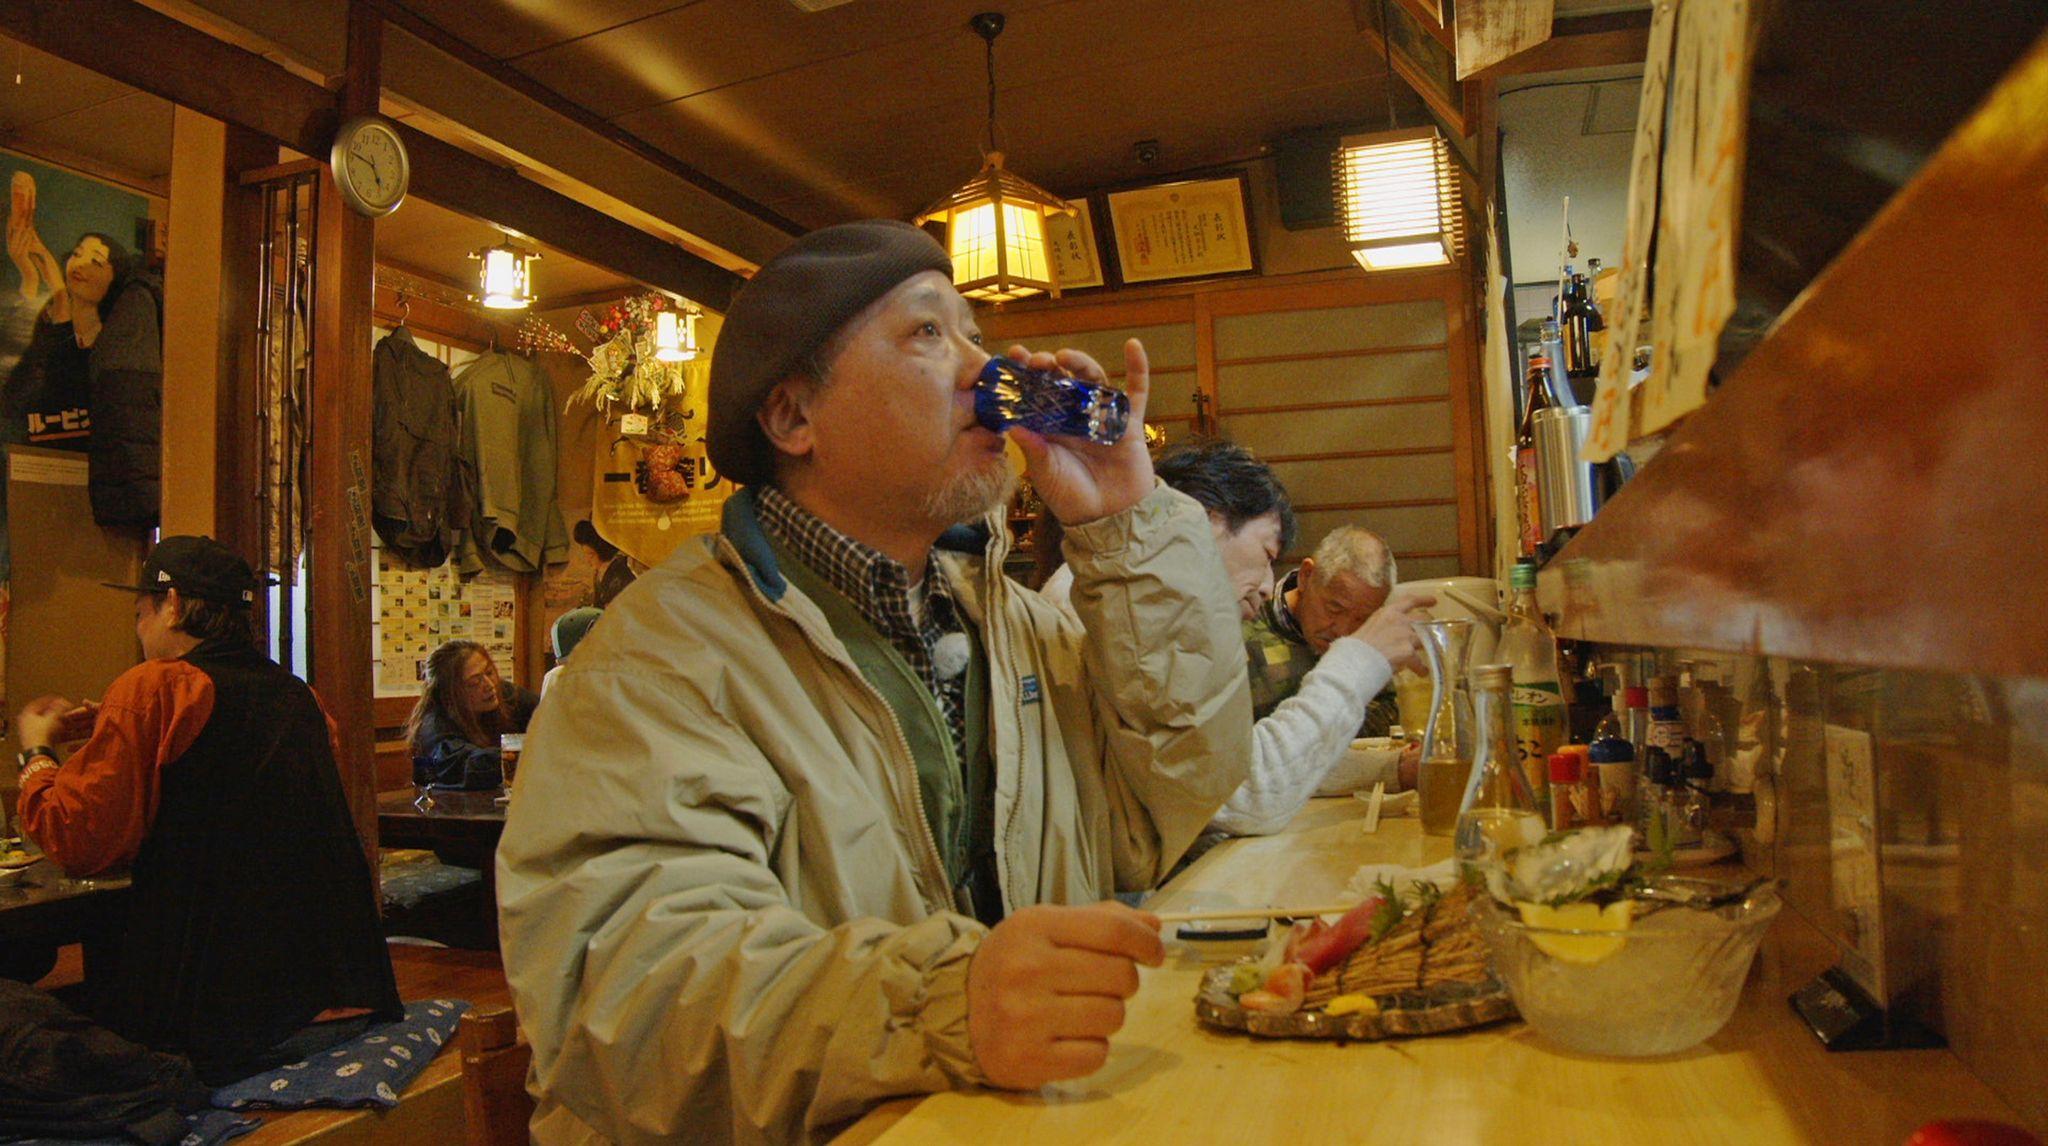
x=1568, y=803
x=1613, y=761
x=1499, y=812
x=1589, y=782
x=1667, y=727
x=1538, y=397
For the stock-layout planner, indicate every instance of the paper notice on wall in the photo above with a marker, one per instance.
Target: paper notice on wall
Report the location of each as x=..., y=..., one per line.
x=415, y=611
x=1703, y=168
x=1610, y=428
x=1489, y=31
x=48, y=469
x=1857, y=891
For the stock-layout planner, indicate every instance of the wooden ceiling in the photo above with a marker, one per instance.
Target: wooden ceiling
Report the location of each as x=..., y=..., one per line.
x=877, y=107
x=74, y=117
x=78, y=118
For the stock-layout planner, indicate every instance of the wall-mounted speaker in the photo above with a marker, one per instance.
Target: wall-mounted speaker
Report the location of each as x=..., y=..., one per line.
x=1308, y=193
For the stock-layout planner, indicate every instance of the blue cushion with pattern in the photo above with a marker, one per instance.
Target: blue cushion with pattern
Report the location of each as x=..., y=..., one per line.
x=371, y=1069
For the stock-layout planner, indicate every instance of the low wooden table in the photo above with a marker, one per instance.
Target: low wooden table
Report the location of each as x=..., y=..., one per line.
x=1763, y=1079
x=465, y=824
x=42, y=907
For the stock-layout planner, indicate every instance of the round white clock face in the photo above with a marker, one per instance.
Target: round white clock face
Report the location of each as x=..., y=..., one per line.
x=370, y=167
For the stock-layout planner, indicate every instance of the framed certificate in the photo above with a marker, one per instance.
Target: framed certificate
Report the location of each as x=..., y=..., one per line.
x=1196, y=228
x=1077, y=263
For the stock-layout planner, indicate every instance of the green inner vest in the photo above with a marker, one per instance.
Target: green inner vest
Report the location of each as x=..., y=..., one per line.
x=958, y=802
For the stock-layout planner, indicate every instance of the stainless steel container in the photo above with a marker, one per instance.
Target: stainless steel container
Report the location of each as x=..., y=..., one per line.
x=1565, y=486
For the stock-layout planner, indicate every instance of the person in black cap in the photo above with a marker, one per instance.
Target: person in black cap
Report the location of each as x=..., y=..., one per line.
x=251, y=935
x=826, y=810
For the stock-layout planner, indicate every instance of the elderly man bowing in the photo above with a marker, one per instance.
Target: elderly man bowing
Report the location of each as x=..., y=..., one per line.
x=824, y=811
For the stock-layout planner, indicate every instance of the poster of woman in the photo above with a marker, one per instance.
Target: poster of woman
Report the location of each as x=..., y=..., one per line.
x=81, y=349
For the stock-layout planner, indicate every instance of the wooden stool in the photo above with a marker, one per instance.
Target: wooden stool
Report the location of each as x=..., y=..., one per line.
x=494, y=1061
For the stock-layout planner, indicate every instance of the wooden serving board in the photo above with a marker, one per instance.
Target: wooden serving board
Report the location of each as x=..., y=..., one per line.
x=1436, y=1010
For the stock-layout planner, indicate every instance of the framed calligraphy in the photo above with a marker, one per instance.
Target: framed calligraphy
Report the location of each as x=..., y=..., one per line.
x=1195, y=228
x=1070, y=239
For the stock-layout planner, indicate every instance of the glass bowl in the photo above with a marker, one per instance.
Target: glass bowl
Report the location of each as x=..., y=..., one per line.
x=1666, y=983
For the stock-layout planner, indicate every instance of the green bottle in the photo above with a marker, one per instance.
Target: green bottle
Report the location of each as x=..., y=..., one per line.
x=1530, y=649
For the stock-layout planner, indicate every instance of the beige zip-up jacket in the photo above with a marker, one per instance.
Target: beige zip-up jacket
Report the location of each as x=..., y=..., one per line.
x=723, y=915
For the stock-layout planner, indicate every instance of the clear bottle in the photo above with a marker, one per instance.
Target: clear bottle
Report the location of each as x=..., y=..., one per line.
x=1698, y=702
x=1499, y=812
x=1540, y=720
x=1720, y=723
x=1613, y=723
x=1638, y=718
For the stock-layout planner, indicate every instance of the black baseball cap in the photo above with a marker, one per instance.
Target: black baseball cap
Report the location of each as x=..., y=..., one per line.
x=198, y=567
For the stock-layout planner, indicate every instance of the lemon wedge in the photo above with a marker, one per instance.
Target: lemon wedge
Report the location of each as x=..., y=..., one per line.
x=1352, y=1004
x=1582, y=949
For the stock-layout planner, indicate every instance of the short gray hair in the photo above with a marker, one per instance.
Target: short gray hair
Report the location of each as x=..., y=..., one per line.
x=1358, y=551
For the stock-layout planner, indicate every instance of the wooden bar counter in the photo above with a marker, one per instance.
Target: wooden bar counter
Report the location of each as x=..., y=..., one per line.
x=1762, y=1079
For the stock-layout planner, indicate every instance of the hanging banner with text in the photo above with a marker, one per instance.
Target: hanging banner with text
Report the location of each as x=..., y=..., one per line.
x=1685, y=193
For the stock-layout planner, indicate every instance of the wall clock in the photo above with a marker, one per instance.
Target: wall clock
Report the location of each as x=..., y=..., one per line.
x=370, y=165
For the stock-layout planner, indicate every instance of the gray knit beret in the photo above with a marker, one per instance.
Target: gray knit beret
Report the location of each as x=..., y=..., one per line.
x=791, y=306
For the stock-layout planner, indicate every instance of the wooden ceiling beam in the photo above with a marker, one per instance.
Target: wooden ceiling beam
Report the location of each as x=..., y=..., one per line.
x=441, y=40
x=131, y=43
x=1587, y=42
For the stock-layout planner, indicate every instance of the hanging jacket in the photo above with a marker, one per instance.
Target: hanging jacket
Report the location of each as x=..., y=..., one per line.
x=508, y=440
x=414, y=502
x=127, y=385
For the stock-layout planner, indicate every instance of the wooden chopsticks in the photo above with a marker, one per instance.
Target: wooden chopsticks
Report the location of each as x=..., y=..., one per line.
x=1254, y=913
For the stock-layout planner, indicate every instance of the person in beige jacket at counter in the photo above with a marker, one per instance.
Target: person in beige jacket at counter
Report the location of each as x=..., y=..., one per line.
x=824, y=812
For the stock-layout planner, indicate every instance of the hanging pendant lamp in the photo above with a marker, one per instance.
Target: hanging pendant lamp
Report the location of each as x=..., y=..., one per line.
x=1397, y=192
x=675, y=334
x=995, y=225
x=1399, y=199
x=505, y=276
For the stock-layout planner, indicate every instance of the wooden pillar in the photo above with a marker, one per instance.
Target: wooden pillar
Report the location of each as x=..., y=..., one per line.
x=339, y=573
x=209, y=304
x=238, y=472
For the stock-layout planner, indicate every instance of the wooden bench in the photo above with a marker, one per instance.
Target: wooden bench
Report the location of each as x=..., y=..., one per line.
x=494, y=1062
x=433, y=1109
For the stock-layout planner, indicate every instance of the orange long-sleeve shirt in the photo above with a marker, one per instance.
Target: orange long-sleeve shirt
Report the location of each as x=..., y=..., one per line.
x=93, y=812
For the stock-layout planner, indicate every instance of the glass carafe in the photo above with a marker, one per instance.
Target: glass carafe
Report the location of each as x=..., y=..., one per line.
x=1499, y=812
x=1447, y=741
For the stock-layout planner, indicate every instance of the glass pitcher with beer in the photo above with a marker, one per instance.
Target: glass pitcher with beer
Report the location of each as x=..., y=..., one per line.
x=1447, y=738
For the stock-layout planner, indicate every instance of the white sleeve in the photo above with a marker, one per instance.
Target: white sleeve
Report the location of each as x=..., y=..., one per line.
x=1298, y=743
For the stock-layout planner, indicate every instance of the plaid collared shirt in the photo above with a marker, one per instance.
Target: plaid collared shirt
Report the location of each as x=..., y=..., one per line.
x=879, y=586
